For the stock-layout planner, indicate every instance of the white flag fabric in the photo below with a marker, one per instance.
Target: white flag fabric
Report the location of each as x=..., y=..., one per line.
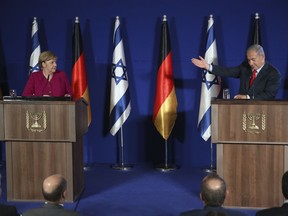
x=36, y=50
x=211, y=84
x=120, y=104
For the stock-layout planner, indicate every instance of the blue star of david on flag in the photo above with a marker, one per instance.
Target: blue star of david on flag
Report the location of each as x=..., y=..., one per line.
x=35, y=68
x=119, y=71
x=209, y=79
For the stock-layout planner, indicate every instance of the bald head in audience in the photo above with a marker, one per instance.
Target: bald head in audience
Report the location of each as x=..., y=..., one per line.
x=213, y=190
x=213, y=193
x=54, y=188
x=54, y=192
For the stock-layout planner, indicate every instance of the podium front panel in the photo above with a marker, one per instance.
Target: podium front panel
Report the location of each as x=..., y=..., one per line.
x=1, y=121
x=43, y=138
x=249, y=122
x=40, y=121
x=252, y=154
x=31, y=162
x=253, y=174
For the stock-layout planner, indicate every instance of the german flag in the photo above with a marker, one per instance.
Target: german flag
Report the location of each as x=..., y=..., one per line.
x=79, y=78
x=165, y=105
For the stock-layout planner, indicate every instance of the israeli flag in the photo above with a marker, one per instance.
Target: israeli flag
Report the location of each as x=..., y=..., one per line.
x=120, y=105
x=36, y=50
x=211, y=84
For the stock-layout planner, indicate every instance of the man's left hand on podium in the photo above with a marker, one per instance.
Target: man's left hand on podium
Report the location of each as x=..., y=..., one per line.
x=241, y=97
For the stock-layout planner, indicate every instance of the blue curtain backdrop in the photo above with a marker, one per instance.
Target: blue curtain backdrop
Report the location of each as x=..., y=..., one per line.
x=140, y=26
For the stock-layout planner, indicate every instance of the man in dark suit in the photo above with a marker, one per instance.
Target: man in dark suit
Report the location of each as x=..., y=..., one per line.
x=279, y=211
x=54, y=192
x=213, y=193
x=7, y=210
x=258, y=78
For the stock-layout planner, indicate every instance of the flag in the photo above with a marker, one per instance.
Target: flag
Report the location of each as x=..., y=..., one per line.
x=165, y=105
x=120, y=104
x=256, y=38
x=79, y=78
x=36, y=50
x=211, y=84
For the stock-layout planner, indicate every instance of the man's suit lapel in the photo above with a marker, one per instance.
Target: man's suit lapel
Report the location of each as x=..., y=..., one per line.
x=260, y=74
x=258, y=77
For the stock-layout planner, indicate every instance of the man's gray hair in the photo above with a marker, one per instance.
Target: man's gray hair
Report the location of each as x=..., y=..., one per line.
x=257, y=48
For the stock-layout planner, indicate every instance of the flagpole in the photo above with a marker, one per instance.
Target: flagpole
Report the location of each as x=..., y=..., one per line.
x=121, y=165
x=210, y=88
x=166, y=166
x=165, y=105
x=122, y=148
x=212, y=169
x=79, y=82
x=120, y=105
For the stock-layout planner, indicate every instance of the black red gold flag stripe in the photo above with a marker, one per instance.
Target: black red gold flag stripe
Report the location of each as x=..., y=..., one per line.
x=79, y=77
x=165, y=105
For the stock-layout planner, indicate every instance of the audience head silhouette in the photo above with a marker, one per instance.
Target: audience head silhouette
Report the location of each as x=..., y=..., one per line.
x=54, y=191
x=213, y=193
x=54, y=188
x=213, y=190
x=7, y=210
x=0, y=185
x=285, y=185
x=215, y=213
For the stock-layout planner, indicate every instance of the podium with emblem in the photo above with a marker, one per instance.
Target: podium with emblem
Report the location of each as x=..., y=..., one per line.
x=251, y=138
x=43, y=137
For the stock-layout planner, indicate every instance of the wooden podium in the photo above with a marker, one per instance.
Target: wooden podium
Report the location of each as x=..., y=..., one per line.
x=42, y=138
x=251, y=138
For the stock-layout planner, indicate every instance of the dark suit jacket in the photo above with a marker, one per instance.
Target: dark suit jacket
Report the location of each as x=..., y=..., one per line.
x=265, y=86
x=279, y=211
x=7, y=210
x=206, y=209
x=51, y=209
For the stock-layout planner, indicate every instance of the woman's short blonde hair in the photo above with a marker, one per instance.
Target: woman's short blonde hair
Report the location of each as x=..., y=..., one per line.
x=46, y=56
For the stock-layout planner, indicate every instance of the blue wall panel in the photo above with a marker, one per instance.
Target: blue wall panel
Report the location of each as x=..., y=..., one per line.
x=140, y=25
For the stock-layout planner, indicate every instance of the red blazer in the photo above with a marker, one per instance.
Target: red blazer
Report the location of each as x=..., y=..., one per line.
x=38, y=85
